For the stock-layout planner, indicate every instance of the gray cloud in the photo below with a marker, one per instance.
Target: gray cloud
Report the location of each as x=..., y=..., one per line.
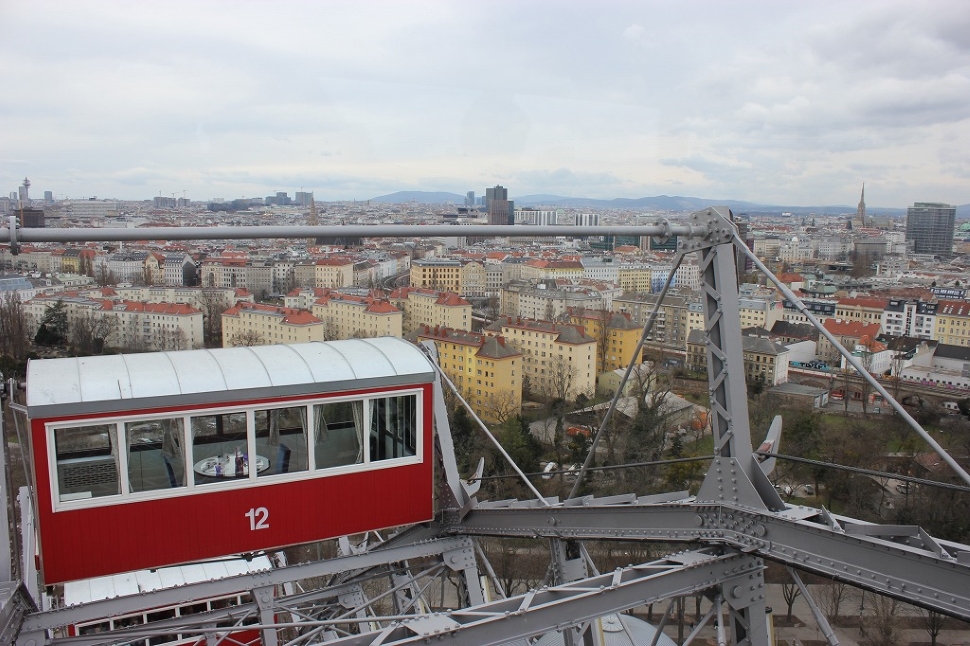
x=758, y=100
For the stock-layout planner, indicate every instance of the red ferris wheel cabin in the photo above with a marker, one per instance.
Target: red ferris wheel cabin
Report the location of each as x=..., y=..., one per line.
x=147, y=460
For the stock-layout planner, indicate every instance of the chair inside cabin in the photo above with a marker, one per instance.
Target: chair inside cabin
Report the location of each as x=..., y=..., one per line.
x=283, y=458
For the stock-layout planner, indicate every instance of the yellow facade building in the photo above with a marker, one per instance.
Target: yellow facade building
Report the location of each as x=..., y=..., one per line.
x=558, y=358
x=953, y=323
x=436, y=273
x=257, y=324
x=617, y=336
x=485, y=369
x=428, y=307
x=347, y=316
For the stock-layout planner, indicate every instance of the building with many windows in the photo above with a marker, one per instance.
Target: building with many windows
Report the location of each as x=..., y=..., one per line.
x=953, y=323
x=929, y=228
x=430, y=308
x=558, y=359
x=437, y=273
x=485, y=369
x=258, y=324
x=847, y=333
x=128, y=325
x=763, y=358
x=348, y=316
x=617, y=336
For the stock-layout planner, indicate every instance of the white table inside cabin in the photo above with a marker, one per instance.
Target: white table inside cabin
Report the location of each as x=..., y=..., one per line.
x=227, y=466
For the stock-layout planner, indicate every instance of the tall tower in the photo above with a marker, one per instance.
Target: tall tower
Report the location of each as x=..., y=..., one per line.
x=929, y=228
x=860, y=211
x=24, y=193
x=500, y=209
x=312, y=219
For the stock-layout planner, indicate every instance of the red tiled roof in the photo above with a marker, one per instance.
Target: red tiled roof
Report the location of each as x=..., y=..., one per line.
x=856, y=329
x=865, y=302
x=953, y=308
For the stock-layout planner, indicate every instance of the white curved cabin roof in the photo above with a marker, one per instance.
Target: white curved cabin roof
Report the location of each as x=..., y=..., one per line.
x=131, y=583
x=79, y=385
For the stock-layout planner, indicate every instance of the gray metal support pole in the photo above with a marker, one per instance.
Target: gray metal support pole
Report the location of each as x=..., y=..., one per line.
x=18, y=236
x=820, y=619
x=735, y=476
x=264, y=598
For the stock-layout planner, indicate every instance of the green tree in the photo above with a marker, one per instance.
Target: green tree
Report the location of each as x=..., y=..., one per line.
x=517, y=440
x=53, y=327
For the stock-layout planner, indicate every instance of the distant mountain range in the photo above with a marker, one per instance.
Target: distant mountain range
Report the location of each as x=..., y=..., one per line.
x=659, y=203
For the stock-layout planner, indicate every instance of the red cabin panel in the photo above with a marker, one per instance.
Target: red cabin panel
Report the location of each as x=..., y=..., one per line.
x=202, y=524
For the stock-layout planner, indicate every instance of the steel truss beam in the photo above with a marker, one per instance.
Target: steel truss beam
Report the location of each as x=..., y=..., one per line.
x=457, y=551
x=571, y=604
x=897, y=561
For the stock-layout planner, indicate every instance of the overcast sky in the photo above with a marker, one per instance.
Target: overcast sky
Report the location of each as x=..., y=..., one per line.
x=771, y=102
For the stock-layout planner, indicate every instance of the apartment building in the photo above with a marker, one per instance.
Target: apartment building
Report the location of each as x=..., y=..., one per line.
x=617, y=336
x=820, y=309
x=430, y=308
x=848, y=334
x=348, y=316
x=485, y=369
x=130, y=325
x=762, y=357
x=334, y=272
x=557, y=357
x=912, y=318
x=865, y=310
x=670, y=326
x=437, y=273
x=258, y=324
x=473, y=280
x=545, y=300
x=953, y=323
x=540, y=269
x=197, y=297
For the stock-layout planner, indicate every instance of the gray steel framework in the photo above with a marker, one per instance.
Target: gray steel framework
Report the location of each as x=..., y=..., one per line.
x=735, y=521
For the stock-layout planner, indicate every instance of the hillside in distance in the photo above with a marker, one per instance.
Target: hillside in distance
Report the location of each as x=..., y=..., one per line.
x=655, y=203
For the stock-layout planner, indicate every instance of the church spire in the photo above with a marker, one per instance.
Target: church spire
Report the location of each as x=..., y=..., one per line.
x=861, y=210
x=312, y=219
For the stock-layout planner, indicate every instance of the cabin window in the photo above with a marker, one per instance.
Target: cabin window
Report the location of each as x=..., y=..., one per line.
x=217, y=440
x=338, y=434
x=87, y=462
x=156, y=455
x=393, y=422
x=281, y=438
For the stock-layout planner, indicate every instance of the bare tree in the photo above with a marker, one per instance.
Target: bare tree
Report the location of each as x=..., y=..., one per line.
x=790, y=592
x=881, y=625
x=501, y=407
x=896, y=365
x=133, y=337
x=830, y=596
x=174, y=340
x=14, y=336
x=868, y=350
x=932, y=623
x=104, y=276
x=213, y=302
x=562, y=377
x=246, y=338
x=90, y=331
x=331, y=331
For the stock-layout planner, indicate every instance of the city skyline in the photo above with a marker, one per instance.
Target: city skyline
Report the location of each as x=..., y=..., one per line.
x=768, y=103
